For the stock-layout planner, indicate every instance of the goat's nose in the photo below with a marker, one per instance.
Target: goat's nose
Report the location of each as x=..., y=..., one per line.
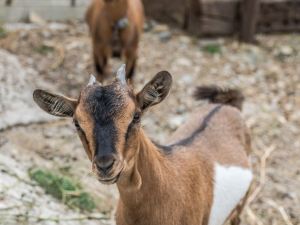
x=105, y=163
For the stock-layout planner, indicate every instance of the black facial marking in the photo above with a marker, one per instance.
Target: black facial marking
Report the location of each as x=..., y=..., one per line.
x=81, y=131
x=104, y=104
x=105, y=136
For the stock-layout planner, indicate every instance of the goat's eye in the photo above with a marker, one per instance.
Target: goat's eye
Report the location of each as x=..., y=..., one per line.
x=136, y=117
x=77, y=125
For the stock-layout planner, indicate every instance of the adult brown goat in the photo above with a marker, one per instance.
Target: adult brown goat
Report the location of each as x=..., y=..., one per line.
x=115, y=27
x=201, y=177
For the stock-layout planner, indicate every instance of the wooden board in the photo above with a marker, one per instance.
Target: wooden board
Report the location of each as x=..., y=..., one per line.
x=164, y=11
x=279, y=16
x=223, y=17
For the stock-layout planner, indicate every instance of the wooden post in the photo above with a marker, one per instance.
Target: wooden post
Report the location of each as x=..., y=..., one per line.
x=249, y=15
x=8, y=2
x=192, y=15
x=73, y=3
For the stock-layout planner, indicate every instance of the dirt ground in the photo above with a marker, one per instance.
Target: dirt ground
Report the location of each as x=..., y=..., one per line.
x=57, y=57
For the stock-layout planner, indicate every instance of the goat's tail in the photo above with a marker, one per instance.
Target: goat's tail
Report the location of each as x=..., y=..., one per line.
x=216, y=94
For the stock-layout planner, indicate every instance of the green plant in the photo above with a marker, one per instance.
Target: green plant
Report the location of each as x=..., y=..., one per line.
x=63, y=188
x=212, y=48
x=43, y=49
x=3, y=32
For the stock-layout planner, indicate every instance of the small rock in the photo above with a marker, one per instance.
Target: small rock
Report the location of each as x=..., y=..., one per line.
x=19, y=26
x=149, y=25
x=186, y=79
x=180, y=109
x=160, y=28
x=176, y=121
x=184, y=39
x=57, y=26
x=36, y=19
x=165, y=36
x=205, y=42
x=286, y=50
x=183, y=62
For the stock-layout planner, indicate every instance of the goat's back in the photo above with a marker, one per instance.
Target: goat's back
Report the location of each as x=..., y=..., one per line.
x=224, y=137
x=102, y=22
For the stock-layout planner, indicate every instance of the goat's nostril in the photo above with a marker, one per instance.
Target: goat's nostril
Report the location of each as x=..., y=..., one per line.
x=105, y=165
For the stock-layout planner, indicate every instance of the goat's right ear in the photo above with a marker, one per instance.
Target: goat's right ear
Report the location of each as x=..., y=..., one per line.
x=155, y=91
x=53, y=104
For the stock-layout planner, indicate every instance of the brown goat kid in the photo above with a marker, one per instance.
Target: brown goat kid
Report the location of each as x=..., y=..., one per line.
x=115, y=27
x=200, y=178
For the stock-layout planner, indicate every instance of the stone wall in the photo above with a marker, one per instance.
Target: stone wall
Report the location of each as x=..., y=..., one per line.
x=56, y=10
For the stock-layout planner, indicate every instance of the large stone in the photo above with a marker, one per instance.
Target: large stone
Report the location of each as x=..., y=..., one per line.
x=16, y=103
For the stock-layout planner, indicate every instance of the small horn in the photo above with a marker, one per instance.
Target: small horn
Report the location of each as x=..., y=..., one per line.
x=121, y=74
x=92, y=80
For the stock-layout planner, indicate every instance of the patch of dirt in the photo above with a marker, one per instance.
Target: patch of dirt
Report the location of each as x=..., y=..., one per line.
x=268, y=74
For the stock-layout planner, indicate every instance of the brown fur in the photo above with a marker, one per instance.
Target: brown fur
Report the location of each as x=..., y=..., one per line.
x=177, y=188
x=101, y=17
x=158, y=187
x=171, y=189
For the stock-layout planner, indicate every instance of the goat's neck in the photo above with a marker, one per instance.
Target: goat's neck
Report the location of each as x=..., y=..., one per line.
x=147, y=173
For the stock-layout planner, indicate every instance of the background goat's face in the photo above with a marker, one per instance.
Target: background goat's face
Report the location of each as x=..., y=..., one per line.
x=107, y=119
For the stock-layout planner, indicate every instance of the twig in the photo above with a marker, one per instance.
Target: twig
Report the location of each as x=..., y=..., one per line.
x=262, y=177
x=262, y=180
x=281, y=210
x=253, y=217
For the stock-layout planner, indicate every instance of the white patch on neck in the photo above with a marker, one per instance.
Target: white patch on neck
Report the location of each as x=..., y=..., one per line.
x=231, y=183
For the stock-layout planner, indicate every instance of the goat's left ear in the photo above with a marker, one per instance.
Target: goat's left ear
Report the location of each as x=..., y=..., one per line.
x=53, y=104
x=155, y=91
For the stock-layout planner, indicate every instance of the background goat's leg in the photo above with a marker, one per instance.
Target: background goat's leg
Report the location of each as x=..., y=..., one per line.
x=101, y=55
x=131, y=57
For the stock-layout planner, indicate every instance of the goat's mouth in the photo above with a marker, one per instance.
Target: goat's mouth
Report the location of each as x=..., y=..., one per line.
x=110, y=180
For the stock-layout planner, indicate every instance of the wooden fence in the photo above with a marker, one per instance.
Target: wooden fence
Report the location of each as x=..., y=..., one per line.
x=199, y=17
x=227, y=17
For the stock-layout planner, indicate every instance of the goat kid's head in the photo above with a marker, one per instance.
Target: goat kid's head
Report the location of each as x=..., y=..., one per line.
x=107, y=119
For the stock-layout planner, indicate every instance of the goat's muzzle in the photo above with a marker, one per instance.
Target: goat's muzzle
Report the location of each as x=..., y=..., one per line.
x=107, y=169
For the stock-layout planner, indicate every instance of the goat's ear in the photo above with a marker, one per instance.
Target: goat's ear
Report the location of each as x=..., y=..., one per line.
x=155, y=91
x=53, y=104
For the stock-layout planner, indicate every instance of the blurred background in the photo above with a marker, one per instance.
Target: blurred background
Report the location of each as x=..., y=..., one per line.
x=253, y=45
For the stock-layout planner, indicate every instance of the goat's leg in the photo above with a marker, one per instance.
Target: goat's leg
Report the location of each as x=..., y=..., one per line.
x=100, y=61
x=131, y=58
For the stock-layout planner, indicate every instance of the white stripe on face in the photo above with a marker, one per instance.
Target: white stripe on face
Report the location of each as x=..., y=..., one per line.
x=231, y=183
